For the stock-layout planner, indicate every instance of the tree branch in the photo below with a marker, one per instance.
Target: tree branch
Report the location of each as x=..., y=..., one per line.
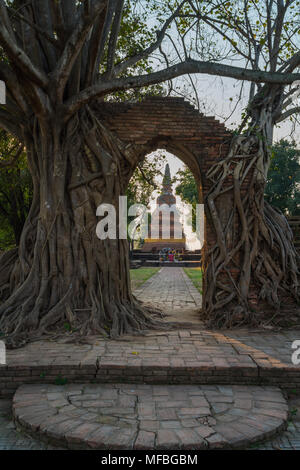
x=58, y=19
x=5, y=18
x=131, y=61
x=188, y=67
x=287, y=114
x=10, y=125
x=21, y=59
x=114, y=37
x=94, y=48
x=14, y=160
x=39, y=30
x=73, y=48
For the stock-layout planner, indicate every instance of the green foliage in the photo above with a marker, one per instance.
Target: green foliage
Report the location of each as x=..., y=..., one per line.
x=134, y=36
x=59, y=380
x=67, y=326
x=187, y=190
x=293, y=412
x=141, y=275
x=283, y=182
x=15, y=192
x=187, y=187
x=195, y=274
x=144, y=179
x=7, y=238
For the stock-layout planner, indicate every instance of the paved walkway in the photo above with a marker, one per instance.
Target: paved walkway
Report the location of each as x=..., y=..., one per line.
x=159, y=357
x=170, y=289
x=184, y=355
x=11, y=439
x=257, y=353
x=194, y=357
x=148, y=417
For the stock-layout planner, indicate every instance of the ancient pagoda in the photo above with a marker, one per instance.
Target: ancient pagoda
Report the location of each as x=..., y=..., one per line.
x=165, y=220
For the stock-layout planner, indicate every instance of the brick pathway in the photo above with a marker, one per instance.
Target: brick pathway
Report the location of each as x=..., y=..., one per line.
x=290, y=439
x=170, y=357
x=190, y=356
x=150, y=416
x=180, y=357
x=170, y=289
x=11, y=439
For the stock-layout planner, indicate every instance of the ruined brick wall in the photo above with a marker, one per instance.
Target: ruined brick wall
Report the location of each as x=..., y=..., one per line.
x=172, y=124
x=198, y=140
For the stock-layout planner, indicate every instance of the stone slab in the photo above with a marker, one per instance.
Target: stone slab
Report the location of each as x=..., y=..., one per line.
x=170, y=417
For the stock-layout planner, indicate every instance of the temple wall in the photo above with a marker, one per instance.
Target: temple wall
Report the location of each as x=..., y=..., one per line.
x=175, y=125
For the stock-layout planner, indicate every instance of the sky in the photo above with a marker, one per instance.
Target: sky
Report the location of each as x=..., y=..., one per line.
x=218, y=97
x=223, y=98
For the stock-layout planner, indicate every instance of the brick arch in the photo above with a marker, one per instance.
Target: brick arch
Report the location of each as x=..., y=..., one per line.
x=175, y=125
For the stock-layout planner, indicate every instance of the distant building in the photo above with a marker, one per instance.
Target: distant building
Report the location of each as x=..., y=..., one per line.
x=165, y=219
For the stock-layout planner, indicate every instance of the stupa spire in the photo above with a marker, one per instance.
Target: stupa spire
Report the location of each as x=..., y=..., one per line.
x=167, y=182
x=166, y=196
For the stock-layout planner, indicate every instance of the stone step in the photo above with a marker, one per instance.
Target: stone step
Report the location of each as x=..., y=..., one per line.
x=155, y=256
x=172, y=264
x=183, y=356
x=120, y=416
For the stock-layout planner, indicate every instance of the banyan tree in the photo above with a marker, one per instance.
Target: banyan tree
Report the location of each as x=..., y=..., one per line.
x=61, y=61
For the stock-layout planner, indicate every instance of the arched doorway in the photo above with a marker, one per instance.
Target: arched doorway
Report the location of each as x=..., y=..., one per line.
x=165, y=258
x=173, y=124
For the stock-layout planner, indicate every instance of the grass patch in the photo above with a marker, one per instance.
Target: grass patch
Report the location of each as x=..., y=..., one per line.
x=141, y=275
x=195, y=274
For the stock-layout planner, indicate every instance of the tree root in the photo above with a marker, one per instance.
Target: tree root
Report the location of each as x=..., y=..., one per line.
x=7, y=263
x=17, y=326
x=251, y=273
x=64, y=279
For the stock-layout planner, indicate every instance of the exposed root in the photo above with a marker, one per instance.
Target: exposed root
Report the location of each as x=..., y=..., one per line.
x=252, y=271
x=17, y=326
x=64, y=280
x=7, y=263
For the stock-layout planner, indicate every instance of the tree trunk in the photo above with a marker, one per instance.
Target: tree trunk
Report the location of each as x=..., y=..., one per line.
x=65, y=277
x=251, y=273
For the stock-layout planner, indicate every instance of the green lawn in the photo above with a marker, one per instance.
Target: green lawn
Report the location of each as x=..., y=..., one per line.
x=195, y=274
x=140, y=275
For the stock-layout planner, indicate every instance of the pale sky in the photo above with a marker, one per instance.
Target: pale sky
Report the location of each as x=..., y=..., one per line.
x=223, y=98
x=215, y=95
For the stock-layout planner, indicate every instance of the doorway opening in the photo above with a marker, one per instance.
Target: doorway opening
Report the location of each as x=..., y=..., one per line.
x=165, y=256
